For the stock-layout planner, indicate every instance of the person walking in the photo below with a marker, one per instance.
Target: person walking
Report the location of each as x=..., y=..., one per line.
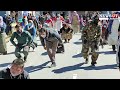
x=91, y=38
x=50, y=40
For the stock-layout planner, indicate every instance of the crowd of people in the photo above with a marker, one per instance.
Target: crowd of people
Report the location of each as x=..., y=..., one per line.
x=52, y=31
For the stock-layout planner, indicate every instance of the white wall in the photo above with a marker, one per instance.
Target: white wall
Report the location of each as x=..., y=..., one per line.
x=7, y=13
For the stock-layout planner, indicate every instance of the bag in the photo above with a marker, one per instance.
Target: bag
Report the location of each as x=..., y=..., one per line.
x=60, y=48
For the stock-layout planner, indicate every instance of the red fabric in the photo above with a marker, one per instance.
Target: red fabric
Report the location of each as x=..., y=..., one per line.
x=54, y=18
x=24, y=17
x=49, y=21
x=62, y=18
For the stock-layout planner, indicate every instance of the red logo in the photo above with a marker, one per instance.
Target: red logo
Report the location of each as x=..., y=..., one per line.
x=115, y=16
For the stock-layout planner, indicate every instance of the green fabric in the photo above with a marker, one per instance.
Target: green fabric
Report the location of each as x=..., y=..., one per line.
x=18, y=51
x=24, y=38
x=20, y=20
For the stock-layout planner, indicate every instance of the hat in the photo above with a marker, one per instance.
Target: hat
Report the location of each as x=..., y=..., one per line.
x=18, y=62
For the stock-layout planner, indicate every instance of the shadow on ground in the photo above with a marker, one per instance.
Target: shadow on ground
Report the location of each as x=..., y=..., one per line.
x=4, y=64
x=10, y=53
x=38, y=40
x=78, y=66
x=69, y=68
x=78, y=43
x=45, y=53
x=14, y=52
x=107, y=52
x=103, y=52
x=36, y=68
x=77, y=56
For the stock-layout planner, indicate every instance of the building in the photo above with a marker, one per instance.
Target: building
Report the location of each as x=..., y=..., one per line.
x=2, y=13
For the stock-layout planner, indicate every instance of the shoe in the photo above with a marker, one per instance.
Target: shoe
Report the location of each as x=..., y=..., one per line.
x=19, y=57
x=5, y=53
x=117, y=65
x=65, y=42
x=58, y=52
x=90, y=53
x=63, y=52
x=68, y=41
x=25, y=59
x=86, y=62
x=114, y=50
x=33, y=49
x=93, y=63
x=53, y=65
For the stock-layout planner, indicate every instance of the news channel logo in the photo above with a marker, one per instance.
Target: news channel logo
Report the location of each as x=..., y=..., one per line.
x=109, y=17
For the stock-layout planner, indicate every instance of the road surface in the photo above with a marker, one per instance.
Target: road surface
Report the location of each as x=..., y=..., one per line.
x=70, y=65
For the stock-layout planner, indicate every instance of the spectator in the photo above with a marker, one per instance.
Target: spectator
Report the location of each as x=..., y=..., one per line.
x=15, y=71
x=50, y=42
x=3, y=47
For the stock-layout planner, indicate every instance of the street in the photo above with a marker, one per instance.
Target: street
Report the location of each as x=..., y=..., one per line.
x=69, y=65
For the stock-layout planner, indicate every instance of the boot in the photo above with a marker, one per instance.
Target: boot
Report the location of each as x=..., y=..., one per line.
x=65, y=41
x=68, y=40
x=5, y=53
x=25, y=58
x=86, y=61
x=93, y=63
x=53, y=65
x=19, y=57
x=113, y=47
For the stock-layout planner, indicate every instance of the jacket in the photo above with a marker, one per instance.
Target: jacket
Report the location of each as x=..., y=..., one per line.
x=51, y=37
x=24, y=38
x=5, y=74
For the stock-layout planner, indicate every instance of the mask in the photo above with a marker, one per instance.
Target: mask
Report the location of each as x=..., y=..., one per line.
x=43, y=36
x=19, y=32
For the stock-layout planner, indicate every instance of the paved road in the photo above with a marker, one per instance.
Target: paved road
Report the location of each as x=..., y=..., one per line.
x=69, y=65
